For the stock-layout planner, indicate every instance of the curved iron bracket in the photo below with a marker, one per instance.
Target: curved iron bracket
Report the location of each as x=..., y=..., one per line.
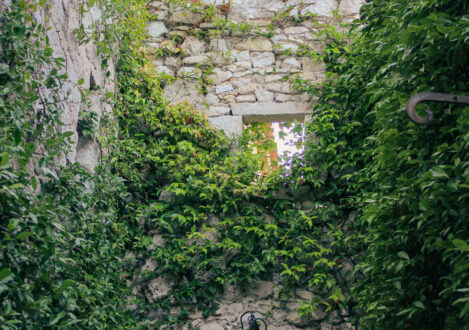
x=252, y=320
x=431, y=97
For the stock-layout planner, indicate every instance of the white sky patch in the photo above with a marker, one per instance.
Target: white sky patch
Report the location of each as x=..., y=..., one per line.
x=287, y=143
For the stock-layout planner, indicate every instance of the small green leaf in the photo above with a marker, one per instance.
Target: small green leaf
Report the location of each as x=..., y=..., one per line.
x=403, y=255
x=80, y=81
x=66, y=284
x=438, y=172
x=5, y=275
x=24, y=234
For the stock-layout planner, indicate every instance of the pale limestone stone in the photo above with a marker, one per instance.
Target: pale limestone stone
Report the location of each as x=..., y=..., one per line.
x=231, y=125
x=247, y=89
x=156, y=29
x=296, y=30
x=282, y=98
x=158, y=288
x=218, y=76
x=212, y=326
x=279, y=87
x=279, y=38
x=211, y=99
x=350, y=7
x=196, y=59
x=185, y=16
x=165, y=69
x=207, y=26
x=259, y=44
x=150, y=265
x=270, y=109
x=283, y=47
x=249, y=98
x=223, y=88
x=189, y=72
x=160, y=15
x=239, y=66
x=258, y=22
x=305, y=295
x=273, y=78
x=261, y=60
x=291, y=63
x=242, y=74
x=263, y=95
x=311, y=65
x=214, y=111
x=88, y=154
x=193, y=46
x=181, y=91
x=157, y=241
x=242, y=55
x=178, y=35
x=297, y=39
x=321, y=8
x=158, y=5
x=262, y=289
x=218, y=45
x=172, y=61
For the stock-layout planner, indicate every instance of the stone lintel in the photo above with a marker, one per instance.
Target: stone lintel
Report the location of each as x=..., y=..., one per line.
x=270, y=111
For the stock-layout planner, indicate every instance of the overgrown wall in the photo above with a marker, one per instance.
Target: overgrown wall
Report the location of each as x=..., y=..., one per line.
x=237, y=64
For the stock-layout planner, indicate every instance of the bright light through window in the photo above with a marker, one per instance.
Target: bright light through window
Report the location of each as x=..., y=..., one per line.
x=287, y=142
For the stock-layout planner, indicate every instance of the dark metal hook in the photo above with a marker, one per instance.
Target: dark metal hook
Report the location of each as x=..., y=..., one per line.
x=252, y=321
x=431, y=97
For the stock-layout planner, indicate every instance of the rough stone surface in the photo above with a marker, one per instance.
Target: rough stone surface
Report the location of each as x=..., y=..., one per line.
x=350, y=7
x=223, y=88
x=193, y=46
x=259, y=44
x=261, y=60
x=218, y=76
x=250, y=98
x=156, y=29
x=231, y=125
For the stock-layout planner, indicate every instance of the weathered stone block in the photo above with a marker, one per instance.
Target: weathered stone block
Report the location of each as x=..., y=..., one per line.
x=350, y=7
x=250, y=98
x=231, y=125
x=193, y=46
x=259, y=44
x=156, y=29
x=262, y=60
x=196, y=59
x=263, y=95
x=291, y=63
x=218, y=76
x=247, y=89
x=223, y=88
x=283, y=47
x=296, y=30
x=215, y=111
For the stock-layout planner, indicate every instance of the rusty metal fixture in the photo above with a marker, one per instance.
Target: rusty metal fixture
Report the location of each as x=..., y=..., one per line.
x=252, y=321
x=431, y=97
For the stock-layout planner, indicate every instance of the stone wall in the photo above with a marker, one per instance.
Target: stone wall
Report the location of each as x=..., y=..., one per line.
x=60, y=19
x=243, y=73
x=264, y=296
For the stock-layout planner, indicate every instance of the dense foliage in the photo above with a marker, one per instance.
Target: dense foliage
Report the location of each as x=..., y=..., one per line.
x=408, y=183
x=60, y=258
x=70, y=241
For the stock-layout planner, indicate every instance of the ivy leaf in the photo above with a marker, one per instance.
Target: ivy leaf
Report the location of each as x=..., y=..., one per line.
x=5, y=275
x=438, y=172
x=403, y=255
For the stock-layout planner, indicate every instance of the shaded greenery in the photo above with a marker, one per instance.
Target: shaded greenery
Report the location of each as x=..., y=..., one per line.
x=65, y=233
x=409, y=183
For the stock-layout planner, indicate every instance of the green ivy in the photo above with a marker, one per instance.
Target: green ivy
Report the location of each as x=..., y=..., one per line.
x=409, y=183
